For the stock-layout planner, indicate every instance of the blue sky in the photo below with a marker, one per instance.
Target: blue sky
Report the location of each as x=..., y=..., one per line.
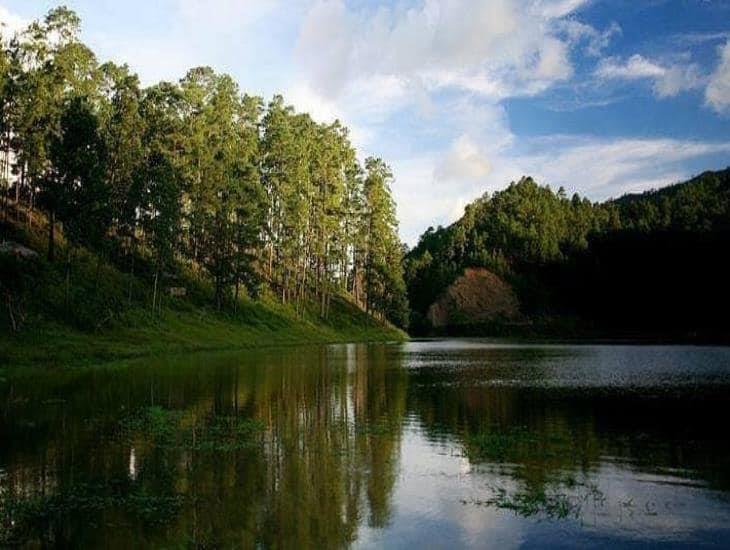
x=601, y=97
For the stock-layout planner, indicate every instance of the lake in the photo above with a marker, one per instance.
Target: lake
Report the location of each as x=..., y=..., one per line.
x=441, y=443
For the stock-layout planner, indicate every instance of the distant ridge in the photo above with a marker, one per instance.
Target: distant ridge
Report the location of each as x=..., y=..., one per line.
x=650, y=263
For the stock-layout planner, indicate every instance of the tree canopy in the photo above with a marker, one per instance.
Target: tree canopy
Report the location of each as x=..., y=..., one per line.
x=601, y=261
x=194, y=174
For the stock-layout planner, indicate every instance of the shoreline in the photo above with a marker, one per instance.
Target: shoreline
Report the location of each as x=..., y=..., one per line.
x=51, y=346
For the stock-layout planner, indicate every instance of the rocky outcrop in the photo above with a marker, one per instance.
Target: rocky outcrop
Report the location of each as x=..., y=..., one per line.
x=478, y=296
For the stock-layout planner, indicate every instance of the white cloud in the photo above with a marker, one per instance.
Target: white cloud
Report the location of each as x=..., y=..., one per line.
x=10, y=23
x=597, y=168
x=603, y=168
x=717, y=94
x=595, y=41
x=498, y=48
x=668, y=80
x=701, y=37
x=464, y=160
x=559, y=8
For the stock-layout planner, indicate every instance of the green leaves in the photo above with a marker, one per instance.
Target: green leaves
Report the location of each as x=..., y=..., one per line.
x=196, y=174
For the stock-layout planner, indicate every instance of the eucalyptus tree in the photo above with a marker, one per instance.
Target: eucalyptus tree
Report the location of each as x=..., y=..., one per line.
x=249, y=209
x=122, y=129
x=56, y=68
x=384, y=285
x=195, y=173
x=8, y=70
x=285, y=176
x=220, y=162
x=162, y=178
x=329, y=174
x=75, y=180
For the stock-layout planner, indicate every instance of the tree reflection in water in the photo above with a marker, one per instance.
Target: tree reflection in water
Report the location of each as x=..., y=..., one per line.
x=275, y=449
x=329, y=446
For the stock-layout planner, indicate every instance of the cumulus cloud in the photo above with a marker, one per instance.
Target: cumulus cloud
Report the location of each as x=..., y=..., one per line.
x=597, y=168
x=717, y=94
x=669, y=80
x=464, y=160
x=604, y=168
x=497, y=49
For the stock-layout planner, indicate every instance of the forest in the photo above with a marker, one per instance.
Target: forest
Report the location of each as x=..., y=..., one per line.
x=190, y=183
x=650, y=263
x=188, y=177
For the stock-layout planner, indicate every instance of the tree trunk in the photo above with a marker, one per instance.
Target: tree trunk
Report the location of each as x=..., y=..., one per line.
x=131, y=280
x=51, y=235
x=13, y=324
x=68, y=273
x=29, y=216
x=154, y=290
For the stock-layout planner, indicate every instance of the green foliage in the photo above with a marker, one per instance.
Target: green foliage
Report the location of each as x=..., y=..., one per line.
x=524, y=223
x=570, y=256
x=700, y=204
x=171, y=430
x=384, y=284
x=192, y=175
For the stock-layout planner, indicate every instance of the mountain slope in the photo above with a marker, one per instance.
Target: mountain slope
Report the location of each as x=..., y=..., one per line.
x=85, y=310
x=648, y=264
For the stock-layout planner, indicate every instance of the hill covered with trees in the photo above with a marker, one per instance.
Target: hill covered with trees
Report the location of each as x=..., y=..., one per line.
x=193, y=177
x=647, y=264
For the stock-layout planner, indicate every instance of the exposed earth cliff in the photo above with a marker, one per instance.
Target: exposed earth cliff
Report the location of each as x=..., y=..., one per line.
x=478, y=296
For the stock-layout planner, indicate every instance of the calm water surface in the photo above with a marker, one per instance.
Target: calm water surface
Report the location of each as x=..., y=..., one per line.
x=433, y=444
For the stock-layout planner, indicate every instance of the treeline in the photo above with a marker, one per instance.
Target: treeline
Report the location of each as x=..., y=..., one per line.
x=193, y=174
x=642, y=262
x=522, y=224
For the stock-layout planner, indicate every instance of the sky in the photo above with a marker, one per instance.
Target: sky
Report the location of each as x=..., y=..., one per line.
x=460, y=97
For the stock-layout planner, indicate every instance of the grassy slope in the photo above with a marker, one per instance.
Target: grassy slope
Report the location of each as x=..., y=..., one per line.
x=56, y=344
x=95, y=322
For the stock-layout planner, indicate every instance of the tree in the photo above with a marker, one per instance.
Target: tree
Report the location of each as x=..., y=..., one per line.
x=57, y=69
x=122, y=128
x=385, y=288
x=162, y=181
x=194, y=174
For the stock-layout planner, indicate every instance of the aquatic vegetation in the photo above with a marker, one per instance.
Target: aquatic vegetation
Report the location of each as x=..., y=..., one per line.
x=144, y=498
x=174, y=430
x=23, y=515
x=501, y=445
x=557, y=502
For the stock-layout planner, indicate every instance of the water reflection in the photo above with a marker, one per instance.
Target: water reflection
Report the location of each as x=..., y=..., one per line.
x=440, y=443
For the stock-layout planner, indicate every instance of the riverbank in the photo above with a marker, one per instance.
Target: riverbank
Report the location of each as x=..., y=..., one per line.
x=85, y=309
x=576, y=331
x=255, y=325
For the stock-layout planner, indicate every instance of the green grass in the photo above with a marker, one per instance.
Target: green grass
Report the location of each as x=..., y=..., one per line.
x=257, y=325
x=94, y=313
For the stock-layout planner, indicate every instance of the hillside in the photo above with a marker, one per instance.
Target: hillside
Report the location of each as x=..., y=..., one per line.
x=88, y=311
x=478, y=296
x=700, y=204
x=181, y=214
x=642, y=265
